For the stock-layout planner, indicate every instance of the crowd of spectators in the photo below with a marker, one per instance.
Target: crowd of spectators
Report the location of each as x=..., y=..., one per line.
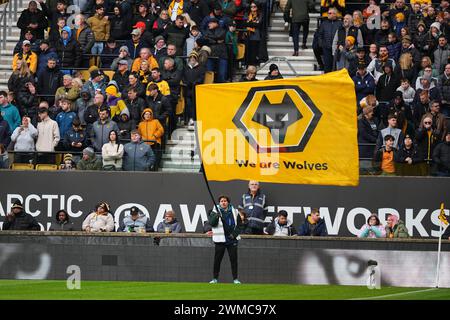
x=119, y=66
x=397, y=54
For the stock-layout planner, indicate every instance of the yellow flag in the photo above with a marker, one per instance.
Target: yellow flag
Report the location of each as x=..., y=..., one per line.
x=442, y=215
x=296, y=130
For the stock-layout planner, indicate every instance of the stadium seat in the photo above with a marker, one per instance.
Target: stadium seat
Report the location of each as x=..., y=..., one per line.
x=46, y=167
x=241, y=51
x=209, y=77
x=109, y=73
x=22, y=166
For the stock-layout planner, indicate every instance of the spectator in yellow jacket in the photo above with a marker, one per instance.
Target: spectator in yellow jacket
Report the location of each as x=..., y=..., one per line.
x=29, y=56
x=150, y=128
x=144, y=54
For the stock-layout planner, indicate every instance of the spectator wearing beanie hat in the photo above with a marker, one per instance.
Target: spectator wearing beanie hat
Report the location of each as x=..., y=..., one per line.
x=122, y=74
x=274, y=73
x=96, y=83
x=89, y=161
x=160, y=48
x=18, y=219
x=68, y=163
x=124, y=54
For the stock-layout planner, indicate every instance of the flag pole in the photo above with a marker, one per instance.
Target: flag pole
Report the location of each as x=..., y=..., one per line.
x=439, y=256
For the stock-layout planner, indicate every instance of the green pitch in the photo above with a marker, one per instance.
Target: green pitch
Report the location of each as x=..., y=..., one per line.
x=47, y=289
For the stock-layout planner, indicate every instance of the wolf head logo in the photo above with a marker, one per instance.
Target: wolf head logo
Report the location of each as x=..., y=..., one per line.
x=277, y=117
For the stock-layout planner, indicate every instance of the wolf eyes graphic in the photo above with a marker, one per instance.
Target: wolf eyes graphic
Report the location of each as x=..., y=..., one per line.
x=277, y=117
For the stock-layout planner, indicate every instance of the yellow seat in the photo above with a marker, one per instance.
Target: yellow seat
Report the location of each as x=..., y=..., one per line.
x=241, y=51
x=46, y=166
x=109, y=73
x=181, y=103
x=22, y=166
x=94, y=61
x=209, y=77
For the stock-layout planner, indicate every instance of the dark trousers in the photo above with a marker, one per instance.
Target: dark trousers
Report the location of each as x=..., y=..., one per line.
x=296, y=32
x=218, y=256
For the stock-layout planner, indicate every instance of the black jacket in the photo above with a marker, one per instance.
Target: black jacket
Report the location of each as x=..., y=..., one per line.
x=216, y=41
x=197, y=11
x=404, y=153
x=192, y=77
x=22, y=221
x=28, y=17
x=120, y=27
x=441, y=157
x=177, y=36
x=5, y=132
x=121, y=79
x=135, y=107
x=161, y=107
x=386, y=87
x=425, y=146
x=173, y=78
x=70, y=56
x=62, y=226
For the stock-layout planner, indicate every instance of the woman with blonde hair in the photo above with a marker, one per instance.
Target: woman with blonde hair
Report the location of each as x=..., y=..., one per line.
x=21, y=75
x=145, y=74
x=405, y=68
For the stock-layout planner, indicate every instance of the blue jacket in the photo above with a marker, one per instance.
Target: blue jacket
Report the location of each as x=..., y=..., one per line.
x=364, y=86
x=11, y=115
x=138, y=157
x=327, y=30
x=75, y=136
x=320, y=229
x=64, y=121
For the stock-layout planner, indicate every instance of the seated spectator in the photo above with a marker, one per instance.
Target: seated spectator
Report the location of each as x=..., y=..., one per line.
x=28, y=56
x=144, y=55
x=441, y=157
x=135, y=222
x=112, y=152
x=75, y=139
x=395, y=228
x=121, y=75
x=250, y=74
x=407, y=91
x=136, y=106
x=159, y=104
x=124, y=54
x=68, y=163
x=314, y=225
x=89, y=160
x=101, y=129
x=101, y=220
x=171, y=53
x=150, y=128
x=170, y=224
x=9, y=112
x=385, y=157
x=18, y=219
x=62, y=222
x=109, y=53
x=48, y=132
x=136, y=44
x=49, y=81
x=68, y=50
x=96, y=83
x=145, y=75
x=274, y=73
x=67, y=90
x=373, y=228
x=65, y=118
x=138, y=156
x=281, y=226
x=114, y=101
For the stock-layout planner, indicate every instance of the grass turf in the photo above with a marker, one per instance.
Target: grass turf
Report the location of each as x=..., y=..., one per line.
x=111, y=290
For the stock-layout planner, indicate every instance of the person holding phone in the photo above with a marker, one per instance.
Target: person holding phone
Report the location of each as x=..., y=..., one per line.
x=227, y=223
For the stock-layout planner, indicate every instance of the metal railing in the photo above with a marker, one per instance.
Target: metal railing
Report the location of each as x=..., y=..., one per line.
x=8, y=19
